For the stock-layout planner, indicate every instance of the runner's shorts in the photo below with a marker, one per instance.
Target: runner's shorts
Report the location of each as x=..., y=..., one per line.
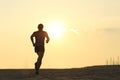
x=39, y=49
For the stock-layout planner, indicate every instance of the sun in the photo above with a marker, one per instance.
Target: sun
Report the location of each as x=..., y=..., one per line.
x=56, y=30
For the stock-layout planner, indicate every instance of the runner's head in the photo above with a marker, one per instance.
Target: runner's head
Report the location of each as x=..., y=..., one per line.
x=40, y=27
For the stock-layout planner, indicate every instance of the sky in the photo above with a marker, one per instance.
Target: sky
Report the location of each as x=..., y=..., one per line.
x=91, y=36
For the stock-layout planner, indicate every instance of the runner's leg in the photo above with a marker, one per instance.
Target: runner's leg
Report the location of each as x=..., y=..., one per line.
x=39, y=61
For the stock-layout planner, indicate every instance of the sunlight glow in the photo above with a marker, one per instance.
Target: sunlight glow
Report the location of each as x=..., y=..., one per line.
x=56, y=30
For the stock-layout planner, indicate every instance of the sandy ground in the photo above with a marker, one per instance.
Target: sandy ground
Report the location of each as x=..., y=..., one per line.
x=88, y=73
x=45, y=74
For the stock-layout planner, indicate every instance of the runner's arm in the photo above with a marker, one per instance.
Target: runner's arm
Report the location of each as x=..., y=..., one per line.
x=32, y=40
x=47, y=38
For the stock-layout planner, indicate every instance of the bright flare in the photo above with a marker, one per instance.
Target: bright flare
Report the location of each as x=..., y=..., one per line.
x=56, y=30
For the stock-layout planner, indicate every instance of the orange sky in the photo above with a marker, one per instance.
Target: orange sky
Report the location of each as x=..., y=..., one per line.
x=91, y=36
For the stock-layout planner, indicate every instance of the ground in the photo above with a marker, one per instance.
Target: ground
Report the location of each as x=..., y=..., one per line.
x=87, y=73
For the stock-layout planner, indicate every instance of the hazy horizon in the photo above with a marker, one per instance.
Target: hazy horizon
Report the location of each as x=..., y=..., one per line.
x=91, y=36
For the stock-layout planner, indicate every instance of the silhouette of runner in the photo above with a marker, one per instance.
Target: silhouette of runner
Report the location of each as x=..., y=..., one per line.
x=38, y=44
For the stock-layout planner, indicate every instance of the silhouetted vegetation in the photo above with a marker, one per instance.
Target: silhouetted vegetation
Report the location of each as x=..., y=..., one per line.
x=113, y=61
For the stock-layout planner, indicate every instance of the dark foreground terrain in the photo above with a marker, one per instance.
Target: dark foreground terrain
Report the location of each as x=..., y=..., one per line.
x=87, y=73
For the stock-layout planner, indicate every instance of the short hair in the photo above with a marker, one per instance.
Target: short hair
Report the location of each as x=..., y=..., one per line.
x=40, y=26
